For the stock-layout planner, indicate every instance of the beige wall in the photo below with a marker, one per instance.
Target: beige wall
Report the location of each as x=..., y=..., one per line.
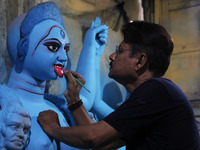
x=181, y=18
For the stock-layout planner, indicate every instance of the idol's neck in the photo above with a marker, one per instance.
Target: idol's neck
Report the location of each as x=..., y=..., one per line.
x=24, y=83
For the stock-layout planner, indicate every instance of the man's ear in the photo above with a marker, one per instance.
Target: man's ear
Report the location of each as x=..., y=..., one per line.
x=22, y=49
x=142, y=60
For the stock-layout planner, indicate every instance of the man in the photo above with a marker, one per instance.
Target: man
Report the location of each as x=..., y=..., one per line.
x=156, y=116
x=15, y=122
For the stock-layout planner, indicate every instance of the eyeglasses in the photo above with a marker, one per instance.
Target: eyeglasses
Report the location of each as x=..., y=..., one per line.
x=119, y=50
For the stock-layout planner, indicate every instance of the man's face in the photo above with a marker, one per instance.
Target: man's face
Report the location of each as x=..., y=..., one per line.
x=46, y=56
x=122, y=64
x=16, y=131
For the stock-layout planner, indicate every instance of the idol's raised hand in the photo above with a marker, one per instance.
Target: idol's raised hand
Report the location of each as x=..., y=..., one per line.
x=96, y=36
x=101, y=37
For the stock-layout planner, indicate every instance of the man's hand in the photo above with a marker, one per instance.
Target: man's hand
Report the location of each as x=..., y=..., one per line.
x=48, y=120
x=73, y=87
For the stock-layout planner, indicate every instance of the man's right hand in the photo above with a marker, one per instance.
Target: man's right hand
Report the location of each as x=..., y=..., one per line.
x=73, y=87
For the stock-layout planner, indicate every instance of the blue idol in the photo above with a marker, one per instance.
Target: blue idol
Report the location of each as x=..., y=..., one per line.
x=38, y=53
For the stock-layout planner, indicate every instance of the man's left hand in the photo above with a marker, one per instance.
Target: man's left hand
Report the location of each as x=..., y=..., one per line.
x=48, y=120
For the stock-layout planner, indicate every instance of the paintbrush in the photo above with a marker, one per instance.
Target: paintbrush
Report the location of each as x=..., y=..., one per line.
x=81, y=84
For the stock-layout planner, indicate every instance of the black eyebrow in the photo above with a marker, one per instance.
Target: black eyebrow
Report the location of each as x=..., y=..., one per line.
x=53, y=39
x=67, y=44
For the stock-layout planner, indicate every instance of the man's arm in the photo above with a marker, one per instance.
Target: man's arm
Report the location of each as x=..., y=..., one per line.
x=96, y=135
x=88, y=134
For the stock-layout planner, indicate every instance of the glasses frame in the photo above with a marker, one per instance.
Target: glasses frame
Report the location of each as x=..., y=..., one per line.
x=118, y=49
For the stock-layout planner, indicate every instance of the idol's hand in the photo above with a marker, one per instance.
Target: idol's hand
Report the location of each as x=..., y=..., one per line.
x=48, y=120
x=101, y=37
x=96, y=37
x=73, y=87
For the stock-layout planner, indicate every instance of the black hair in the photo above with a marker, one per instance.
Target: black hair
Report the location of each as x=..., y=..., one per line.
x=152, y=39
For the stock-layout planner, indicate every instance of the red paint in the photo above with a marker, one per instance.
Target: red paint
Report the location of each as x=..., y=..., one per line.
x=59, y=70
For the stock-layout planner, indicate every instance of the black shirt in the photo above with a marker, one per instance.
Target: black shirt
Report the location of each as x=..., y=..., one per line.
x=157, y=116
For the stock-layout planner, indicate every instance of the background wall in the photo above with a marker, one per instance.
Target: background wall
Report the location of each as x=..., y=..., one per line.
x=181, y=18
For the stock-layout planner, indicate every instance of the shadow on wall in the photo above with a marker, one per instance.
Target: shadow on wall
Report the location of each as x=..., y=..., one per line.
x=114, y=97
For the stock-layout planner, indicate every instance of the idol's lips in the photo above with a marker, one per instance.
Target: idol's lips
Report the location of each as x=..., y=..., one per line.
x=18, y=142
x=59, y=65
x=58, y=68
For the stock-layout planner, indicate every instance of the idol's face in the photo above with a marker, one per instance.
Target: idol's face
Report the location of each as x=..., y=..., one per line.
x=47, y=52
x=16, y=131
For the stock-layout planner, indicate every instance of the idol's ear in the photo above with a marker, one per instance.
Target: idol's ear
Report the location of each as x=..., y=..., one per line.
x=22, y=48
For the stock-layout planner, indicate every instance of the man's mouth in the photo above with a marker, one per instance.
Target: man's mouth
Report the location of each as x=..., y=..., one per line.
x=110, y=65
x=58, y=68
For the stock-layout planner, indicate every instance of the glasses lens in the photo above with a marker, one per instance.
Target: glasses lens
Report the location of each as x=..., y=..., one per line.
x=116, y=49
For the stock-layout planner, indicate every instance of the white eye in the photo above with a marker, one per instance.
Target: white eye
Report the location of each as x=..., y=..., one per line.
x=52, y=46
x=66, y=48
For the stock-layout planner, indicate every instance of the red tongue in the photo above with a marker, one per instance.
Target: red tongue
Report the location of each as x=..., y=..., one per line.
x=59, y=71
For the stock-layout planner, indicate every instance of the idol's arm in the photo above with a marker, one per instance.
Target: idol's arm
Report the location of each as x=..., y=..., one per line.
x=86, y=64
x=98, y=101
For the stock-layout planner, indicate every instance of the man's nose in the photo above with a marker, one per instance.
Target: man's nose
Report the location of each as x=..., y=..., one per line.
x=112, y=56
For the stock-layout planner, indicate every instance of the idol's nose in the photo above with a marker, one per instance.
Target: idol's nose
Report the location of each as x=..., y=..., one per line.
x=62, y=56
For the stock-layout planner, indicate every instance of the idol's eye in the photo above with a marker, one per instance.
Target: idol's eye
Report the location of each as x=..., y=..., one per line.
x=67, y=47
x=52, y=46
x=26, y=131
x=13, y=127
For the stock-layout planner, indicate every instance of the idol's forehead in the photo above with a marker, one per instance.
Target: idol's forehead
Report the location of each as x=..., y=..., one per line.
x=17, y=118
x=48, y=28
x=57, y=33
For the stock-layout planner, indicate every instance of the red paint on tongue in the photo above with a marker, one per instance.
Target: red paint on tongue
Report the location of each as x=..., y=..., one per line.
x=59, y=71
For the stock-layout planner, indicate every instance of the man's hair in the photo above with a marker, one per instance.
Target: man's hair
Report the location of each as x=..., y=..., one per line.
x=152, y=39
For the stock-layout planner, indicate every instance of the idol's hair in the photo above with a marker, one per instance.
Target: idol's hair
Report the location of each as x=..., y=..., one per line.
x=39, y=13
